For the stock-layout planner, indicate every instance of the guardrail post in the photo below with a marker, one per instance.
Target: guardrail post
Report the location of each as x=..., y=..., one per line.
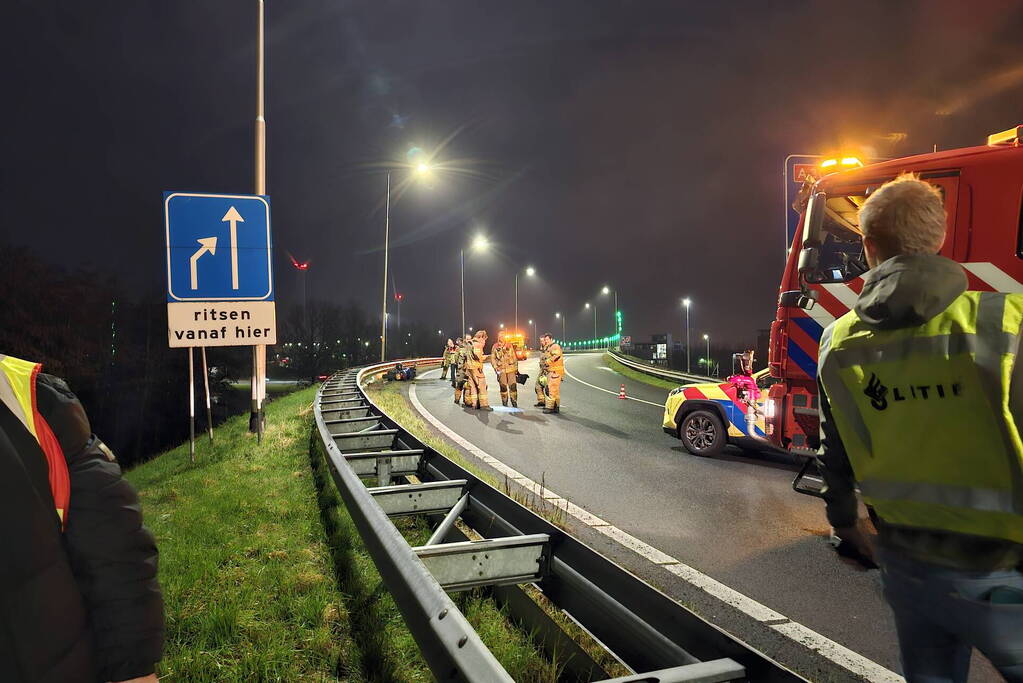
x=384, y=472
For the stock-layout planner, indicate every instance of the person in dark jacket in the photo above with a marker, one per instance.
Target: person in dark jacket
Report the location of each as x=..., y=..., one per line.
x=82, y=603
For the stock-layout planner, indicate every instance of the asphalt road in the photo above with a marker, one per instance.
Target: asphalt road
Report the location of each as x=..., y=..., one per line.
x=734, y=517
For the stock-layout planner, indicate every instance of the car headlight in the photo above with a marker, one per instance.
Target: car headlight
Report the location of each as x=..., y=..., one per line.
x=674, y=391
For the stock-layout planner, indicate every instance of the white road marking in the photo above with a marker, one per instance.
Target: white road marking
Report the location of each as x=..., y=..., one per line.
x=613, y=393
x=825, y=647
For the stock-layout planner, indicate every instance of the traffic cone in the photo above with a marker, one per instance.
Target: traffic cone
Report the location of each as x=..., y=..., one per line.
x=621, y=392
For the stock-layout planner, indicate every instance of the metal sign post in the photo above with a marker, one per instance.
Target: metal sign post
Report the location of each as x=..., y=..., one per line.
x=206, y=384
x=191, y=405
x=259, y=351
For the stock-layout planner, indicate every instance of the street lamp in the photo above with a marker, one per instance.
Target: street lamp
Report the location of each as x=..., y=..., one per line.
x=533, y=323
x=594, y=318
x=479, y=243
x=530, y=271
x=614, y=313
x=685, y=304
x=420, y=169
x=563, y=334
x=706, y=338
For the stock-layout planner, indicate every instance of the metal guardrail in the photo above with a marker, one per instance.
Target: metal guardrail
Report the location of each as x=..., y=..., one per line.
x=654, y=371
x=643, y=628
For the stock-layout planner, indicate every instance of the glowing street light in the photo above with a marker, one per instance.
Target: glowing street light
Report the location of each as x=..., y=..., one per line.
x=706, y=338
x=479, y=243
x=420, y=169
x=530, y=271
x=614, y=314
x=562, y=319
x=594, y=319
x=685, y=304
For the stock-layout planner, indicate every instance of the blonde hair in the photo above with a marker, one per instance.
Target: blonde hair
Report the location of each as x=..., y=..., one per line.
x=905, y=216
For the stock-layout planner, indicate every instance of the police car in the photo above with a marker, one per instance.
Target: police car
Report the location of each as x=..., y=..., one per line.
x=707, y=417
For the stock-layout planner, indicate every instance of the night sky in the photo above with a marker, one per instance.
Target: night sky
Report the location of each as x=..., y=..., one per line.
x=634, y=144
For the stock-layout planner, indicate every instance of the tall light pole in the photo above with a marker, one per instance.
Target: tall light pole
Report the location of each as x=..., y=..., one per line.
x=478, y=244
x=419, y=168
x=594, y=319
x=706, y=338
x=685, y=304
x=614, y=313
x=259, y=351
x=387, y=239
x=530, y=271
x=533, y=323
x=563, y=334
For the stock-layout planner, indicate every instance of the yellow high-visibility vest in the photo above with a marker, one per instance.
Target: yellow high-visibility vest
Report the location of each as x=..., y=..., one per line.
x=926, y=415
x=18, y=393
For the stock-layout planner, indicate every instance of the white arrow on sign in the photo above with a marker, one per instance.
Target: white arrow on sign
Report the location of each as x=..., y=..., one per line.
x=207, y=244
x=234, y=217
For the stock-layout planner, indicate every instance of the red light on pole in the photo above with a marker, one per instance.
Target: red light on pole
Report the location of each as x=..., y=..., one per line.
x=299, y=265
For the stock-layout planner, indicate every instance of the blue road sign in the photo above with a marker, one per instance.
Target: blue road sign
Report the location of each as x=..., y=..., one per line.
x=796, y=168
x=218, y=247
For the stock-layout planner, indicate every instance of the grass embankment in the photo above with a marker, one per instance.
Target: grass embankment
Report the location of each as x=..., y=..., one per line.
x=265, y=577
x=247, y=575
x=511, y=647
x=637, y=375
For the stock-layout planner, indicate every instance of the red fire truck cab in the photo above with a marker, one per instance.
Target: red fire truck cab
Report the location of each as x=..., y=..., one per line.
x=982, y=187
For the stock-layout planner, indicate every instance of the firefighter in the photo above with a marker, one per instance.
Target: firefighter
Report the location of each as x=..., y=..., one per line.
x=919, y=386
x=79, y=600
x=506, y=367
x=474, y=371
x=446, y=357
x=541, y=375
x=555, y=371
x=462, y=389
x=456, y=352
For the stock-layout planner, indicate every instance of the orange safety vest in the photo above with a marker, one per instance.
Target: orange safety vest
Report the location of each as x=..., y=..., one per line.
x=18, y=393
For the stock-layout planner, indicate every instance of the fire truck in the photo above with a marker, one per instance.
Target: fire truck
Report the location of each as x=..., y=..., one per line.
x=518, y=342
x=982, y=188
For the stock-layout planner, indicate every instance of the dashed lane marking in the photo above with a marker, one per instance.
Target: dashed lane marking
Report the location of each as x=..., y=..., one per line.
x=613, y=393
x=823, y=646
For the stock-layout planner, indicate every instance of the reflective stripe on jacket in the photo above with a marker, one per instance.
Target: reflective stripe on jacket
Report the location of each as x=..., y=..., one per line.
x=18, y=393
x=926, y=415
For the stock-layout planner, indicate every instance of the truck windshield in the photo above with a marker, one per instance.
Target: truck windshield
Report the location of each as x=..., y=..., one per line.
x=841, y=256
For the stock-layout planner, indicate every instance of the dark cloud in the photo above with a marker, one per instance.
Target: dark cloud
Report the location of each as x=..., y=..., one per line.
x=637, y=144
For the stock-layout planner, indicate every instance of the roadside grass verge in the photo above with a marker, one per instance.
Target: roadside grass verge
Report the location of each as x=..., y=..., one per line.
x=247, y=576
x=636, y=375
x=286, y=387
x=509, y=644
